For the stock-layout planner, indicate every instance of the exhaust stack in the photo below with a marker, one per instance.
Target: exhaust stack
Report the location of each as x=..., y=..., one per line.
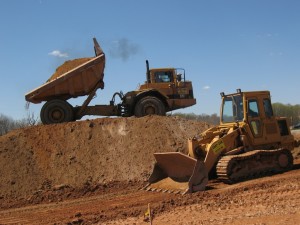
x=148, y=72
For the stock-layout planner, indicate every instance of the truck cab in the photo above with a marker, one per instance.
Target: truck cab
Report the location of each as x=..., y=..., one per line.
x=169, y=86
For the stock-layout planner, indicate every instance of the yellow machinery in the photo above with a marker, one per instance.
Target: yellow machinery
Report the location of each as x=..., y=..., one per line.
x=165, y=90
x=249, y=142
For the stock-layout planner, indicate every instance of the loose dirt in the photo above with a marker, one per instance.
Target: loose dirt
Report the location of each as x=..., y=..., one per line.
x=85, y=154
x=67, y=66
x=91, y=172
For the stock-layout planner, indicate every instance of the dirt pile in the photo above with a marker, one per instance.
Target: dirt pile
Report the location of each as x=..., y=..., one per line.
x=67, y=66
x=62, y=160
x=99, y=151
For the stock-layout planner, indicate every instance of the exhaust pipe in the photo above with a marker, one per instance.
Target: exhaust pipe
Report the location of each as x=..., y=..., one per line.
x=148, y=72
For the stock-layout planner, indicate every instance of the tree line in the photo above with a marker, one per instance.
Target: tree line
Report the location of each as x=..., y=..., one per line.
x=213, y=119
x=292, y=112
x=286, y=110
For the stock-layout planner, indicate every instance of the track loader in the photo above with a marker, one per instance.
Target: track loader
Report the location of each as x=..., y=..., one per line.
x=249, y=142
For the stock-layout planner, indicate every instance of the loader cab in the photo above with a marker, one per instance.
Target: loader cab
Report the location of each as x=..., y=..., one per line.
x=246, y=106
x=253, y=111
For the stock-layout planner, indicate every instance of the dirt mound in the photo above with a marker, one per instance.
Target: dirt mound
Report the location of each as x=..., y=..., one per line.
x=44, y=163
x=67, y=66
x=99, y=151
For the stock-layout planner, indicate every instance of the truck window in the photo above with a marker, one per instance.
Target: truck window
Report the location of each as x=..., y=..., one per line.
x=255, y=126
x=232, y=109
x=253, y=108
x=227, y=115
x=268, y=107
x=284, y=131
x=163, y=76
x=253, y=117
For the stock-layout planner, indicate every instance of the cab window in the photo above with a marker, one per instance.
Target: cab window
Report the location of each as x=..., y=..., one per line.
x=268, y=107
x=253, y=113
x=232, y=109
x=163, y=76
x=253, y=108
x=255, y=126
x=227, y=115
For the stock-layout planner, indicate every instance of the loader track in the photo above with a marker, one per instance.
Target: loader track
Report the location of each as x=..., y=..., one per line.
x=235, y=168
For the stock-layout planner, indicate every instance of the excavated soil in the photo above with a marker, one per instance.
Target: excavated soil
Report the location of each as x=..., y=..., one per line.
x=91, y=172
x=87, y=153
x=67, y=66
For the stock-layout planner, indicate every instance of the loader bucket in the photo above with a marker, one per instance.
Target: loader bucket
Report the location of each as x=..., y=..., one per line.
x=176, y=172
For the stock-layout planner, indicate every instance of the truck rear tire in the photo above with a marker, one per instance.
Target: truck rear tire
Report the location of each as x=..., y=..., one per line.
x=57, y=111
x=149, y=106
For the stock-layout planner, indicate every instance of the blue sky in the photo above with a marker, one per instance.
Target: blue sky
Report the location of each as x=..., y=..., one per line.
x=223, y=45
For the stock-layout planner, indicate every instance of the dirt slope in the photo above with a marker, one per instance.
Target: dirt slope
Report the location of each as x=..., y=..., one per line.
x=268, y=200
x=100, y=151
x=90, y=172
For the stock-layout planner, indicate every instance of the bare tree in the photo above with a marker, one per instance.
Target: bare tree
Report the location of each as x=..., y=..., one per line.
x=31, y=119
x=7, y=124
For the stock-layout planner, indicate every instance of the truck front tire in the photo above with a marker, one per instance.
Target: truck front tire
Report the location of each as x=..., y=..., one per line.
x=149, y=106
x=57, y=111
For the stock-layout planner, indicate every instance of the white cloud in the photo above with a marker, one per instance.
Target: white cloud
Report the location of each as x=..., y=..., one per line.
x=59, y=54
x=206, y=87
x=276, y=54
x=267, y=35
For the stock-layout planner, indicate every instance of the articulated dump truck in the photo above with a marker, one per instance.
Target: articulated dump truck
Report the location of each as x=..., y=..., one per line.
x=165, y=90
x=249, y=142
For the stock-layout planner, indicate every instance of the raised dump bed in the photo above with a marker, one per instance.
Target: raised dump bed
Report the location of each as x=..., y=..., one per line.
x=79, y=81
